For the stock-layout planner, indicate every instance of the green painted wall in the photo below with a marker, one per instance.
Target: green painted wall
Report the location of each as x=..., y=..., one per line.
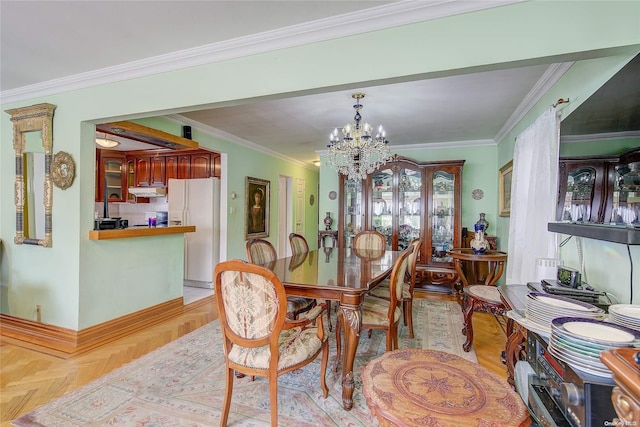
x=81, y=283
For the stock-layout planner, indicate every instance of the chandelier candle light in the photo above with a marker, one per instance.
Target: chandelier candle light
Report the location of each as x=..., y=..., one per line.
x=357, y=154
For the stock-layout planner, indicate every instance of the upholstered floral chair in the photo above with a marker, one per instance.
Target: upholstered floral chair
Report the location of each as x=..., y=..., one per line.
x=262, y=252
x=258, y=340
x=299, y=246
x=382, y=290
x=379, y=313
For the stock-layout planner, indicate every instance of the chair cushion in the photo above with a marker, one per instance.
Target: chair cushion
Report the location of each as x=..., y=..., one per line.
x=296, y=345
x=295, y=304
x=488, y=293
x=382, y=291
x=375, y=311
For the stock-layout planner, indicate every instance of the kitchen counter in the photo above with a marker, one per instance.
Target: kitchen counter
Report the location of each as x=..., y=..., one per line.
x=139, y=232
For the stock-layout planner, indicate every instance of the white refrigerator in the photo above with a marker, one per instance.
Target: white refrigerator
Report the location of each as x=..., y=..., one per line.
x=197, y=202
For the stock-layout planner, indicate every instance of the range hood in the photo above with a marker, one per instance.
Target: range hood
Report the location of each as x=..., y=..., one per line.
x=148, y=191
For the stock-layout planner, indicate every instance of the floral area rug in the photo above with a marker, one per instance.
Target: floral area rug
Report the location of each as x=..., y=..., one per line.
x=182, y=383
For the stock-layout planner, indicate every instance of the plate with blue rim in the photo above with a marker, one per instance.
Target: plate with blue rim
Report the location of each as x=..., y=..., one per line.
x=596, y=331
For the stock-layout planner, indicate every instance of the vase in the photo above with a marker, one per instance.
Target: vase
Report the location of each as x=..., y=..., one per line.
x=479, y=244
x=328, y=221
x=483, y=221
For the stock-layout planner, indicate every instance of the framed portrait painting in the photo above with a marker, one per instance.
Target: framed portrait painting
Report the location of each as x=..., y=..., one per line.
x=504, y=189
x=257, y=207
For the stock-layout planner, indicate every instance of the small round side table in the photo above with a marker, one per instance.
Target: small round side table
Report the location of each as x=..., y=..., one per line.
x=494, y=259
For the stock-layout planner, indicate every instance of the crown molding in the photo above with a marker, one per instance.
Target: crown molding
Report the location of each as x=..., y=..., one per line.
x=376, y=18
x=440, y=145
x=570, y=139
x=210, y=130
x=434, y=146
x=542, y=86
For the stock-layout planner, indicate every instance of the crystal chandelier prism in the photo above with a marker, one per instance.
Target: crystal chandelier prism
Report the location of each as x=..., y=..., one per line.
x=358, y=153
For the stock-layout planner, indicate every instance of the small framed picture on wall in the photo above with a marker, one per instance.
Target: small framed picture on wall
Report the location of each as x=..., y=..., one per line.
x=504, y=189
x=257, y=208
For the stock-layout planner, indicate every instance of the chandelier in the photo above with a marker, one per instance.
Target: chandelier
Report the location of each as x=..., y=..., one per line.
x=358, y=153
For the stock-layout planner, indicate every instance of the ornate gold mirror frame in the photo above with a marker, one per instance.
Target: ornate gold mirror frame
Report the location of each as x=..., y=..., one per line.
x=35, y=118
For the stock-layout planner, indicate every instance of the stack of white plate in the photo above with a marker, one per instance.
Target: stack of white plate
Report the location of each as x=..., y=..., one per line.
x=542, y=308
x=579, y=342
x=626, y=315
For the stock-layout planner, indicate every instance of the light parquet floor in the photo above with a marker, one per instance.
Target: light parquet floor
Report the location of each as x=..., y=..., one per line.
x=29, y=379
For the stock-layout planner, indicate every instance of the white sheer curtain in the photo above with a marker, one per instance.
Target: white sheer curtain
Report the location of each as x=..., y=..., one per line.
x=534, y=190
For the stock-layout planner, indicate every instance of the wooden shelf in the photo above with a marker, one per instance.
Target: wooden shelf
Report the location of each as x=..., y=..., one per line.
x=609, y=233
x=139, y=232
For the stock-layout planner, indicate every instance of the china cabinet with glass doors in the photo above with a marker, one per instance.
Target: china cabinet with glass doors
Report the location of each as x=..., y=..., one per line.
x=625, y=198
x=404, y=200
x=583, y=188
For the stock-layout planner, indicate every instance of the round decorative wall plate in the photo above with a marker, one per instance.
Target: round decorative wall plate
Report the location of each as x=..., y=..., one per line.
x=333, y=195
x=312, y=199
x=477, y=194
x=63, y=170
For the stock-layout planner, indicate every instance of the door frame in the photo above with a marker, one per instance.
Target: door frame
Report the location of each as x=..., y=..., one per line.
x=285, y=214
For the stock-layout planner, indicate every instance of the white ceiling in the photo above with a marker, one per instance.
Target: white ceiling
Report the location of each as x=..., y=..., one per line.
x=78, y=40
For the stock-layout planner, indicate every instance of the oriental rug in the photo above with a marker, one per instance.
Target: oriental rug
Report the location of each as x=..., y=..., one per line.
x=182, y=383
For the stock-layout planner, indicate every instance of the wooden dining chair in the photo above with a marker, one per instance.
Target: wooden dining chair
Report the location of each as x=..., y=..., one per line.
x=379, y=313
x=258, y=340
x=260, y=251
x=300, y=246
x=370, y=239
x=382, y=290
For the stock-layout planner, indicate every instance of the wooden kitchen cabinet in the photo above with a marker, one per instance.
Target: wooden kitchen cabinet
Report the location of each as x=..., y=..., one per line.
x=128, y=169
x=189, y=166
x=150, y=171
x=405, y=199
x=201, y=165
x=171, y=165
x=111, y=176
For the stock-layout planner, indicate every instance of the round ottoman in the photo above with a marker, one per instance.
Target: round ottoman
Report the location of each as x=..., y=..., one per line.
x=432, y=388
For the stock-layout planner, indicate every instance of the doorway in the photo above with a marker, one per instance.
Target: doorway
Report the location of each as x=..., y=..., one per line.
x=285, y=214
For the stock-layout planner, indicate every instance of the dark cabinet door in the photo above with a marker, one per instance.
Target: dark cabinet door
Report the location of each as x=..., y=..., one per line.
x=171, y=164
x=351, y=218
x=583, y=189
x=623, y=207
x=443, y=228
x=201, y=165
x=216, y=166
x=143, y=171
x=184, y=167
x=158, y=177
x=150, y=171
x=111, y=177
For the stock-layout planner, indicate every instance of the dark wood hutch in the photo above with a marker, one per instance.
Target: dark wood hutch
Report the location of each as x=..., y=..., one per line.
x=405, y=199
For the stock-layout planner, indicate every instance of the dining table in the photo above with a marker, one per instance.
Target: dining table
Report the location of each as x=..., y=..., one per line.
x=344, y=275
